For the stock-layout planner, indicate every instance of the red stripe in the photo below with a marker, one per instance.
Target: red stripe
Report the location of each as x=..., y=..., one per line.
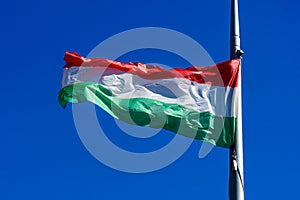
x=222, y=74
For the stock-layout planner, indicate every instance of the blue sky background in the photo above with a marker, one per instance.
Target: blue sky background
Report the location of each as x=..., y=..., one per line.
x=42, y=156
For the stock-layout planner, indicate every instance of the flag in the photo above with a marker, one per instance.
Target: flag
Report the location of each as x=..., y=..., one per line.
x=197, y=102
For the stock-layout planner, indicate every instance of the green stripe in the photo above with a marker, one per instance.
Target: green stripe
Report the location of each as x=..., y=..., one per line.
x=204, y=126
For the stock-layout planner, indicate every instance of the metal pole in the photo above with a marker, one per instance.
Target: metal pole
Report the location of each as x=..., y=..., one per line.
x=236, y=182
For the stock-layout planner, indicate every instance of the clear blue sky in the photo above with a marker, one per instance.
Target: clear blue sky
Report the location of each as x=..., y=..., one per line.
x=42, y=156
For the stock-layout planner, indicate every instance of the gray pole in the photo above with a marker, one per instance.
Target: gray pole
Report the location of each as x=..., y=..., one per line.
x=236, y=182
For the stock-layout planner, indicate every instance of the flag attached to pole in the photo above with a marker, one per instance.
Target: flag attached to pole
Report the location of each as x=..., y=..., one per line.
x=197, y=102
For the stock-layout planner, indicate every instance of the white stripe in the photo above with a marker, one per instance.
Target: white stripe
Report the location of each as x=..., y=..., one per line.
x=82, y=74
x=217, y=100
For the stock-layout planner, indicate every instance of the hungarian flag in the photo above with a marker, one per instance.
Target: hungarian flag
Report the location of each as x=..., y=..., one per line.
x=197, y=102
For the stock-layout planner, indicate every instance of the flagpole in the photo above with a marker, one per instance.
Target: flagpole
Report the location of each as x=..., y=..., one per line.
x=236, y=182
